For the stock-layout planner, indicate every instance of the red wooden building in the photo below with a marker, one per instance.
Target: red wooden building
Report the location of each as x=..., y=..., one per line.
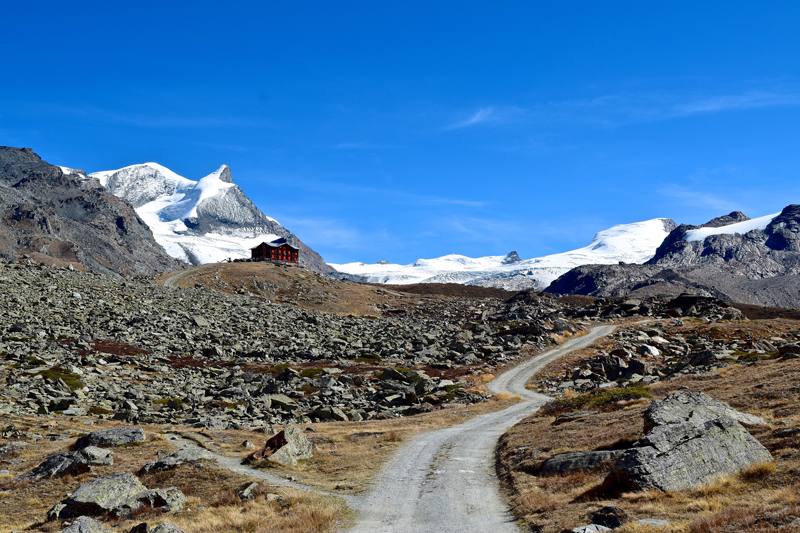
x=277, y=250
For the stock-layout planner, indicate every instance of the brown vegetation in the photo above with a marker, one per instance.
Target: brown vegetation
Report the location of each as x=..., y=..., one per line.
x=764, y=497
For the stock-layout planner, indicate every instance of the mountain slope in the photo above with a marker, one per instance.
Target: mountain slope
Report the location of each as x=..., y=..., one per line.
x=629, y=243
x=58, y=216
x=205, y=221
x=733, y=258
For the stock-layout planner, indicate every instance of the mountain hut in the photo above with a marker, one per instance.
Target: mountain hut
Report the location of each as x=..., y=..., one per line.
x=278, y=250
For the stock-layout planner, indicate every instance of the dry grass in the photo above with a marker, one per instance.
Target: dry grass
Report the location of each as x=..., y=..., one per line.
x=304, y=288
x=751, y=501
x=349, y=454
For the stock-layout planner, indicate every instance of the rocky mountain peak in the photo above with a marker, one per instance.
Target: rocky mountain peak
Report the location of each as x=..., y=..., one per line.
x=225, y=174
x=783, y=233
x=511, y=257
x=726, y=220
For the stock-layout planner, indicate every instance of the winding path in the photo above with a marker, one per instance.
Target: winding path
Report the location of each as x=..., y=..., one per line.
x=445, y=480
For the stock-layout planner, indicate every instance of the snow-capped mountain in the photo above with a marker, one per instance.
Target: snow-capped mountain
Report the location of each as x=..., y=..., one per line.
x=205, y=221
x=628, y=243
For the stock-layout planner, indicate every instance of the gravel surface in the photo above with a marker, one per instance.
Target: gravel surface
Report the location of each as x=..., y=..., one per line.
x=445, y=480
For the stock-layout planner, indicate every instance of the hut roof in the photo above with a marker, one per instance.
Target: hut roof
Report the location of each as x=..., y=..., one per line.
x=278, y=243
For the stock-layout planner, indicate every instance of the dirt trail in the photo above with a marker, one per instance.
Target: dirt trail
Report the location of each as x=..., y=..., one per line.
x=445, y=480
x=234, y=464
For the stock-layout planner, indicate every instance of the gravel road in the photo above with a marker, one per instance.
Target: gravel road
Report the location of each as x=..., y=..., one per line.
x=445, y=480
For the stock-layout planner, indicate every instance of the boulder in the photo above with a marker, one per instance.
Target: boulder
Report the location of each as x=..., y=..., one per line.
x=685, y=405
x=84, y=524
x=609, y=516
x=681, y=455
x=166, y=527
x=167, y=500
x=247, y=492
x=72, y=463
x=108, y=438
x=286, y=448
x=591, y=528
x=175, y=459
x=789, y=351
x=116, y=494
x=569, y=462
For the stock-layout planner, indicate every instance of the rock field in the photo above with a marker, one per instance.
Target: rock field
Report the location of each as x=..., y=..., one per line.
x=81, y=343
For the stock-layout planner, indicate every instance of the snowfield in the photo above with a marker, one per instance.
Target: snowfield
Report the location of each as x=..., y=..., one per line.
x=629, y=243
x=740, y=228
x=167, y=202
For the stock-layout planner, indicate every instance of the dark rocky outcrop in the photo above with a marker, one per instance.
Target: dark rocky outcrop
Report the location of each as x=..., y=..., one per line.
x=692, y=440
x=609, y=516
x=61, y=218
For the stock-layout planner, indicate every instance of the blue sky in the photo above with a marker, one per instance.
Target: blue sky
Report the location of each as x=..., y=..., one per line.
x=400, y=130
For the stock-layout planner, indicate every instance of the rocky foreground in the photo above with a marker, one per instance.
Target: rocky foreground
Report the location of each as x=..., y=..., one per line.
x=80, y=343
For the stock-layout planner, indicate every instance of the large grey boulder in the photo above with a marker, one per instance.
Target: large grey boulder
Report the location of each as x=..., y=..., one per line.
x=286, y=448
x=175, y=459
x=688, y=405
x=687, y=447
x=570, y=462
x=117, y=494
x=84, y=524
x=72, y=463
x=107, y=438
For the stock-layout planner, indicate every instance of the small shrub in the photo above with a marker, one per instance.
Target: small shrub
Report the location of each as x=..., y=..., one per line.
x=73, y=381
x=758, y=471
x=597, y=398
x=310, y=372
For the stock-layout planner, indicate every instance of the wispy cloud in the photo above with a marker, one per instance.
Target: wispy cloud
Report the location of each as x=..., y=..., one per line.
x=732, y=102
x=486, y=114
x=698, y=198
x=491, y=114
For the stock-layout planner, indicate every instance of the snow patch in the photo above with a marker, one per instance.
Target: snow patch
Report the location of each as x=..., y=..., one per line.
x=739, y=228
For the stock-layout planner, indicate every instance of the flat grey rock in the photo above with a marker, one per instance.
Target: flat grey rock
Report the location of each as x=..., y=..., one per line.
x=84, y=524
x=117, y=436
x=177, y=458
x=684, y=405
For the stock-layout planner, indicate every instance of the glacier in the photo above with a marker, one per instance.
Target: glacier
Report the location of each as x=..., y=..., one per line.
x=629, y=243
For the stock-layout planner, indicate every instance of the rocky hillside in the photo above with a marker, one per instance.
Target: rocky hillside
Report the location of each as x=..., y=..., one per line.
x=204, y=221
x=82, y=343
x=56, y=217
x=732, y=258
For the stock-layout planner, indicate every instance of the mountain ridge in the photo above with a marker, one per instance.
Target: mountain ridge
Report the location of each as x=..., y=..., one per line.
x=752, y=261
x=53, y=216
